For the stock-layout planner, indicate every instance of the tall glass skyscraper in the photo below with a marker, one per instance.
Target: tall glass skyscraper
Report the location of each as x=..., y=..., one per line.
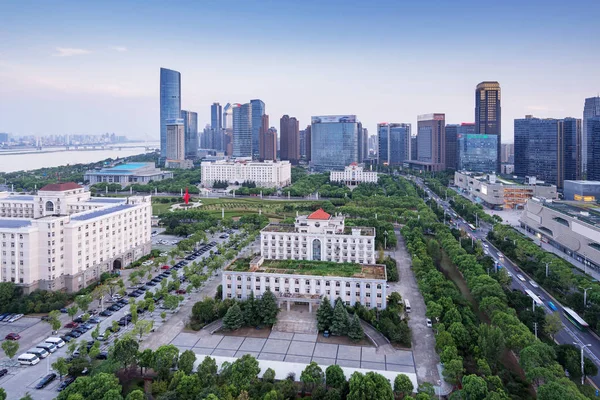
x=170, y=103
x=394, y=143
x=334, y=141
x=190, y=128
x=477, y=153
x=258, y=110
x=488, y=115
x=242, y=130
x=591, y=109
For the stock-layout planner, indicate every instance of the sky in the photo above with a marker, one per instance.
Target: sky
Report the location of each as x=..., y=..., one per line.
x=74, y=67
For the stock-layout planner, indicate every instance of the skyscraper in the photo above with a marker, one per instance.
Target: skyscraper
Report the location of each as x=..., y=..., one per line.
x=593, y=150
x=591, y=109
x=242, y=130
x=216, y=125
x=289, y=139
x=549, y=149
x=394, y=143
x=175, y=148
x=190, y=128
x=258, y=110
x=488, y=112
x=334, y=142
x=170, y=103
x=431, y=141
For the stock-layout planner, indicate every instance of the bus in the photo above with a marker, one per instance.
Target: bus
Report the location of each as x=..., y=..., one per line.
x=575, y=319
x=472, y=227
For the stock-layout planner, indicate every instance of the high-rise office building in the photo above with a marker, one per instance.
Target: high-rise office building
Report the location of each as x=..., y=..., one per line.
x=267, y=141
x=476, y=152
x=431, y=141
x=593, y=148
x=393, y=143
x=170, y=103
x=216, y=125
x=591, y=109
x=242, y=130
x=190, y=128
x=334, y=141
x=258, y=110
x=175, y=149
x=488, y=115
x=549, y=149
x=289, y=131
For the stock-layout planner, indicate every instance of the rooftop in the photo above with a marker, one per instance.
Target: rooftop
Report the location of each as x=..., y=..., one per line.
x=60, y=187
x=317, y=268
x=99, y=213
x=14, y=223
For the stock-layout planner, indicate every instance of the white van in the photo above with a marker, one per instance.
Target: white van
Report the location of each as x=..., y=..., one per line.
x=49, y=347
x=28, y=359
x=58, y=342
x=41, y=353
x=406, y=305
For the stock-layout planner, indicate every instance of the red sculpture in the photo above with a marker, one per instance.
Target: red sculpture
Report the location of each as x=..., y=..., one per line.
x=186, y=196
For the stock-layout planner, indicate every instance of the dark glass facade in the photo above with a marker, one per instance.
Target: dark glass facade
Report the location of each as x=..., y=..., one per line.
x=477, y=153
x=170, y=103
x=190, y=129
x=488, y=112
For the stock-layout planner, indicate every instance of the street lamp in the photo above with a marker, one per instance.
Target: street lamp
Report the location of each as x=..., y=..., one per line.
x=582, y=346
x=584, y=295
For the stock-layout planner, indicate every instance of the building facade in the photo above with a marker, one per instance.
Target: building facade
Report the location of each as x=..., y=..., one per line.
x=170, y=103
x=477, y=153
x=127, y=174
x=431, y=142
x=488, y=112
x=289, y=130
x=354, y=174
x=242, y=130
x=334, y=141
x=64, y=239
x=591, y=109
x=393, y=143
x=276, y=174
x=258, y=110
x=175, y=140
x=190, y=128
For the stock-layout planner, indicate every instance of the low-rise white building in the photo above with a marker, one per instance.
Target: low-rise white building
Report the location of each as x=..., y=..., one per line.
x=318, y=237
x=353, y=175
x=62, y=238
x=275, y=174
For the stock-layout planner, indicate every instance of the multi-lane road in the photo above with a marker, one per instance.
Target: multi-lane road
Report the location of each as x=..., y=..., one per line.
x=569, y=334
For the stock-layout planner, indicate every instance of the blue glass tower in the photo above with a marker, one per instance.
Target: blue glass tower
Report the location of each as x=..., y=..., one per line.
x=258, y=110
x=170, y=103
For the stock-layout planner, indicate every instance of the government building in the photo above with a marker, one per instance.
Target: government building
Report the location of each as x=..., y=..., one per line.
x=63, y=239
x=317, y=256
x=272, y=174
x=354, y=174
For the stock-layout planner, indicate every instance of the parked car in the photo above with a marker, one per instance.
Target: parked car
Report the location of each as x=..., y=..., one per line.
x=12, y=336
x=46, y=381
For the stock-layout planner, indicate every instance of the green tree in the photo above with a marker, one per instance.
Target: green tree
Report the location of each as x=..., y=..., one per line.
x=125, y=351
x=61, y=366
x=186, y=361
x=335, y=376
x=553, y=324
x=324, y=315
x=234, y=319
x=312, y=375
x=369, y=386
x=268, y=308
x=339, y=323
x=403, y=386
x=355, y=330
x=72, y=311
x=10, y=348
x=165, y=358
x=99, y=387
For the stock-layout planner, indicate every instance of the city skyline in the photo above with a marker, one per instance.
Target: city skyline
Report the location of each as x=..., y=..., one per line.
x=104, y=80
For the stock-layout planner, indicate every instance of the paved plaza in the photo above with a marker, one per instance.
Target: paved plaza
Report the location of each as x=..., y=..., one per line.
x=296, y=348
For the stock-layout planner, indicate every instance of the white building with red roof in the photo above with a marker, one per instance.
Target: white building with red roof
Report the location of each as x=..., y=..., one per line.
x=354, y=174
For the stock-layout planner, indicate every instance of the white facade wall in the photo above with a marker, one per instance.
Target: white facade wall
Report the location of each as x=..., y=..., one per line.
x=369, y=292
x=264, y=174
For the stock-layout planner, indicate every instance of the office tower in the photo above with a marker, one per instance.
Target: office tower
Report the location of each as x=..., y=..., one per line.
x=216, y=124
x=334, y=142
x=308, y=139
x=267, y=141
x=258, y=110
x=394, y=143
x=431, y=141
x=190, y=128
x=593, y=149
x=591, y=109
x=175, y=149
x=549, y=149
x=170, y=103
x=508, y=153
x=289, y=139
x=488, y=112
x=242, y=130
x=476, y=152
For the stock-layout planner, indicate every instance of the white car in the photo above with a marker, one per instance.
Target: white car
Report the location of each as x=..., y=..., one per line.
x=16, y=318
x=521, y=277
x=532, y=283
x=428, y=322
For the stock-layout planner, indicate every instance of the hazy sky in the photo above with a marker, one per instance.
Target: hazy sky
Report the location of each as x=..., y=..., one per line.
x=92, y=67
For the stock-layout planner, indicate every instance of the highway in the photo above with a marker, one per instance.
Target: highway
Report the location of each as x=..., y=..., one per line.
x=569, y=334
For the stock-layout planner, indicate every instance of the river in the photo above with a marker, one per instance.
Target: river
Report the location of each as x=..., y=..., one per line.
x=57, y=156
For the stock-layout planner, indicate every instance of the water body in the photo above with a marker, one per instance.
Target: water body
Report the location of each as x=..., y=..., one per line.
x=57, y=156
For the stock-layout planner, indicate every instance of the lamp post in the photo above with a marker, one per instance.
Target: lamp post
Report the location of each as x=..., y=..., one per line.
x=582, y=346
x=584, y=295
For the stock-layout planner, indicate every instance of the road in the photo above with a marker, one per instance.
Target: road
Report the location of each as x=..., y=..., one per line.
x=569, y=334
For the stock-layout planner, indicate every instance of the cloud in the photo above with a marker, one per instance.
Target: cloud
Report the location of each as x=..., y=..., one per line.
x=68, y=52
x=120, y=49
